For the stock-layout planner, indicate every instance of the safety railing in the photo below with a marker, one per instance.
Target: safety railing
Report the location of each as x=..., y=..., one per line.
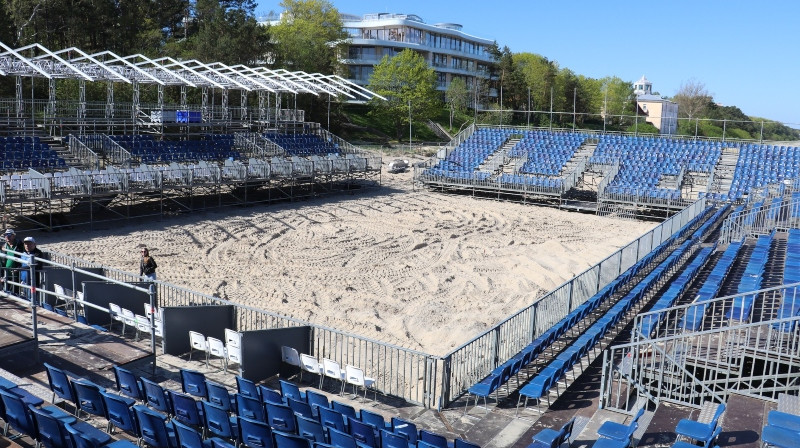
x=757, y=356
x=761, y=220
x=79, y=150
x=472, y=361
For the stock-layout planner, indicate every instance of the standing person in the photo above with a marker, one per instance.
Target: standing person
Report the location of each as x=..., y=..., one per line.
x=10, y=267
x=147, y=265
x=31, y=252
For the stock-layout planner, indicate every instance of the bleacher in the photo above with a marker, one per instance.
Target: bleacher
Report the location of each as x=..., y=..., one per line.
x=644, y=161
x=760, y=165
x=302, y=144
x=147, y=149
x=20, y=153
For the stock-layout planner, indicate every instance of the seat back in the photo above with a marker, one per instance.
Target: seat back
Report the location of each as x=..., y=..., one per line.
x=434, y=439
x=187, y=436
x=332, y=419
x=215, y=347
x=373, y=419
x=341, y=439
x=78, y=439
x=50, y=431
x=280, y=417
x=156, y=397
x=197, y=341
x=153, y=427
x=247, y=388
x=310, y=428
x=255, y=434
x=119, y=413
x=344, y=409
x=219, y=395
x=290, y=356
x=362, y=432
x=194, y=383
x=233, y=338
x=459, y=443
x=309, y=363
x=185, y=409
x=405, y=428
x=128, y=384
x=59, y=383
x=392, y=440
x=88, y=397
x=331, y=369
x=217, y=421
x=283, y=440
x=354, y=375
x=317, y=399
x=270, y=395
x=566, y=431
x=290, y=390
x=250, y=408
x=300, y=408
x=17, y=413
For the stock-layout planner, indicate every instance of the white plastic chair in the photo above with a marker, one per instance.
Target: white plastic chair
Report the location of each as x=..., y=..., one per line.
x=355, y=376
x=128, y=318
x=115, y=311
x=331, y=369
x=233, y=346
x=217, y=348
x=198, y=342
x=290, y=356
x=310, y=364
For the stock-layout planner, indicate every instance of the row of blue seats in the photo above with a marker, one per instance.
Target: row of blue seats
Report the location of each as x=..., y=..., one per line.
x=654, y=193
x=457, y=175
x=572, y=354
x=503, y=372
x=790, y=303
x=695, y=314
x=259, y=412
x=678, y=286
x=751, y=279
x=20, y=139
x=189, y=156
x=782, y=430
x=47, y=424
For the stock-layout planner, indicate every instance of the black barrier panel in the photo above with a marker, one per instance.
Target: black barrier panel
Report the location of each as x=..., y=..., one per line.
x=100, y=294
x=52, y=275
x=261, y=351
x=208, y=320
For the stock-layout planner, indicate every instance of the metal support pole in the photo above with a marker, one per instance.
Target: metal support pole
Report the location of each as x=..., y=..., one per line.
x=225, y=112
x=574, y=109
x=109, y=100
x=135, y=106
x=551, y=108
x=184, y=101
x=204, y=105
x=51, y=98
x=20, y=104
x=409, y=125
x=82, y=105
x=529, y=107
x=262, y=107
x=243, y=105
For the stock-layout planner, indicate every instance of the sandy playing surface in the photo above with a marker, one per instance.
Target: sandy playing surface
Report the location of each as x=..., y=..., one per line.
x=419, y=269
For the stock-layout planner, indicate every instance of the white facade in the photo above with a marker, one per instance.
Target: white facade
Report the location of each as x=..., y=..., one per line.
x=447, y=49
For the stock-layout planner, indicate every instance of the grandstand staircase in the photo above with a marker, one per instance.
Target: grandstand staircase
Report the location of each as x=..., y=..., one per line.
x=724, y=171
x=585, y=151
x=497, y=161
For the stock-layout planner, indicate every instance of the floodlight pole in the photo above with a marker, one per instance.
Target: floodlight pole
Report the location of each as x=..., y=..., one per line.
x=529, y=106
x=574, y=110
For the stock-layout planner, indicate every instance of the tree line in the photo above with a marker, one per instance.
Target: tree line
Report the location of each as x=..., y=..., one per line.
x=310, y=37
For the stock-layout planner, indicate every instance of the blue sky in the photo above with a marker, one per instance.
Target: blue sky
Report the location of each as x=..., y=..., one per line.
x=746, y=53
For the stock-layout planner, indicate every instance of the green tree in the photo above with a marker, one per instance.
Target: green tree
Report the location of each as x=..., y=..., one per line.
x=408, y=85
x=539, y=75
x=309, y=37
x=226, y=31
x=456, y=97
x=618, y=99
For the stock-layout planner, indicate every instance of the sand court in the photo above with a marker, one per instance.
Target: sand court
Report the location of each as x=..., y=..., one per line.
x=414, y=268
